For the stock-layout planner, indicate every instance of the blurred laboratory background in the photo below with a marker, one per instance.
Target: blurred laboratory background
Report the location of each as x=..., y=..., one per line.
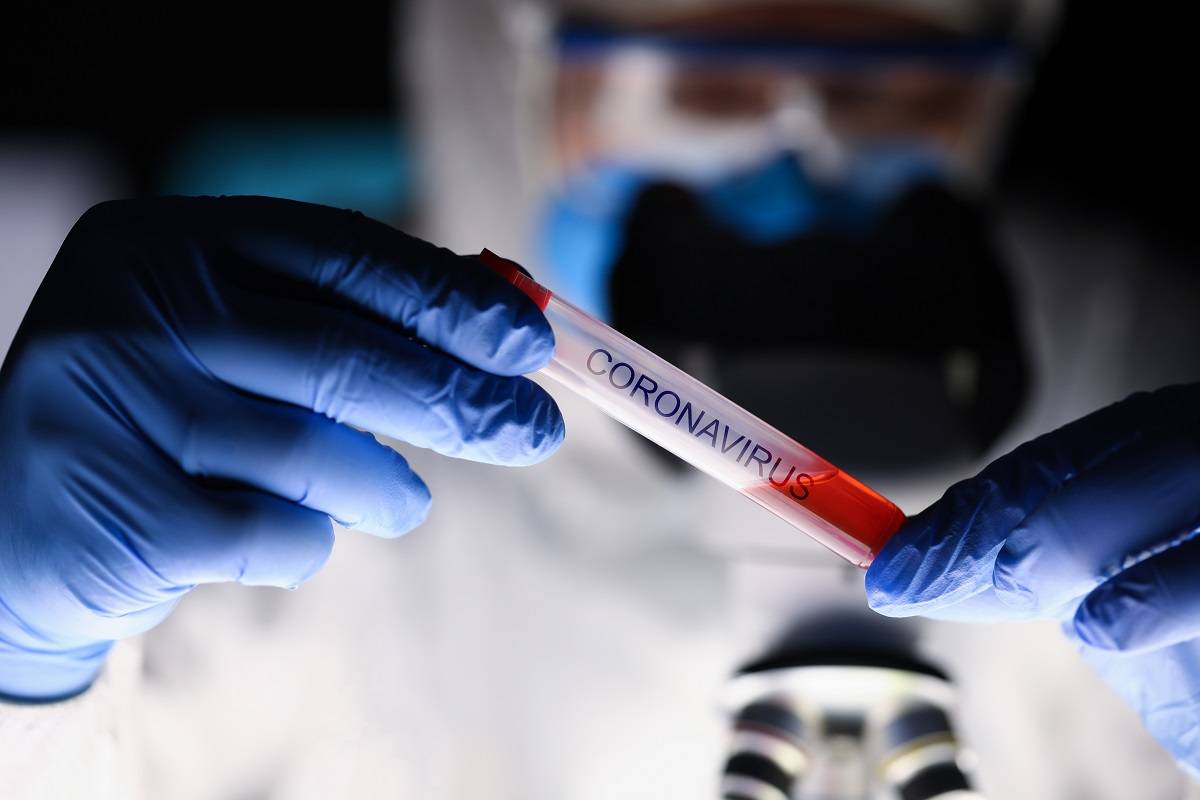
x=910, y=234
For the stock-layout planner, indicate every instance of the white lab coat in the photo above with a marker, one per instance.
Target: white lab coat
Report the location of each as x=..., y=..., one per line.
x=565, y=631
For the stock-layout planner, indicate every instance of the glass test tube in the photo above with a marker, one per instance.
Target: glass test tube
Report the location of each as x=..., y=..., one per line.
x=712, y=433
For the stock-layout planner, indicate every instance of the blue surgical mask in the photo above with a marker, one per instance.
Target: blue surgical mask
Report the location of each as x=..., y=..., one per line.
x=873, y=177
x=580, y=232
x=582, y=226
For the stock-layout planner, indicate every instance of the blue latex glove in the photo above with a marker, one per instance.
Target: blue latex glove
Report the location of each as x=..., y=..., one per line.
x=1093, y=524
x=176, y=410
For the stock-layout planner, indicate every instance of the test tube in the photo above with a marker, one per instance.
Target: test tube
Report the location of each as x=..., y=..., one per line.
x=712, y=433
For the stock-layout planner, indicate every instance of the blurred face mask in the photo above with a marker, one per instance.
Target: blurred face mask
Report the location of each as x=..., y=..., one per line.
x=835, y=228
x=758, y=135
x=583, y=223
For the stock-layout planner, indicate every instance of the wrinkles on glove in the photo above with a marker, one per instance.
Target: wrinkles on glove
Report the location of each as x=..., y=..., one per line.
x=1043, y=525
x=187, y=398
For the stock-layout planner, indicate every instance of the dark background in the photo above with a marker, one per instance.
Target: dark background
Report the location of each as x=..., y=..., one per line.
x=135, y=79
x=1109, y=126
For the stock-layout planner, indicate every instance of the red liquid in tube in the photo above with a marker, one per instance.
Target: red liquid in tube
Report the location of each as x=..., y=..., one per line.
x=839, y=499
x=816, y=497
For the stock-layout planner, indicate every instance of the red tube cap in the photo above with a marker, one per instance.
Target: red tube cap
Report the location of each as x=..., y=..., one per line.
x=511, y=271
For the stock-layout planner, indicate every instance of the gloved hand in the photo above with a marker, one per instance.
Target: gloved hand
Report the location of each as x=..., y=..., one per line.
x=176, y=410
x=1093, y=524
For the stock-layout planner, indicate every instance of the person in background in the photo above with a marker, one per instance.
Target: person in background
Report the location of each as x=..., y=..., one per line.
x=183, y=407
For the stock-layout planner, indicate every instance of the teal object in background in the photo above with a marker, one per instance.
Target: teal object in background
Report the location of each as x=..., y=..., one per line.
x=362, y=163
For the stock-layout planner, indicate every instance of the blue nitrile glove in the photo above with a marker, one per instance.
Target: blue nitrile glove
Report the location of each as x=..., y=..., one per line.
x=1093, y=524
x=177, y=410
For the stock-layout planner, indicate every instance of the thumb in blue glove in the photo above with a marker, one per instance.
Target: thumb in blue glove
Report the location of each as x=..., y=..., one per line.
x=180, y=407
x=1093, y=524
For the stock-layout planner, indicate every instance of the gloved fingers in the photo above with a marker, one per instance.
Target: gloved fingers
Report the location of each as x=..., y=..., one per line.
x=946, y=555
x=1138, y=501
x=243, y=536
x=354, y=371
x=158, y=532
x=93, y=627
x=942, y=559
x=1152, y=605
x=981, y=607
x=448, y=301
x=305, y=458
x=1163, y=686
x=1059, y=456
